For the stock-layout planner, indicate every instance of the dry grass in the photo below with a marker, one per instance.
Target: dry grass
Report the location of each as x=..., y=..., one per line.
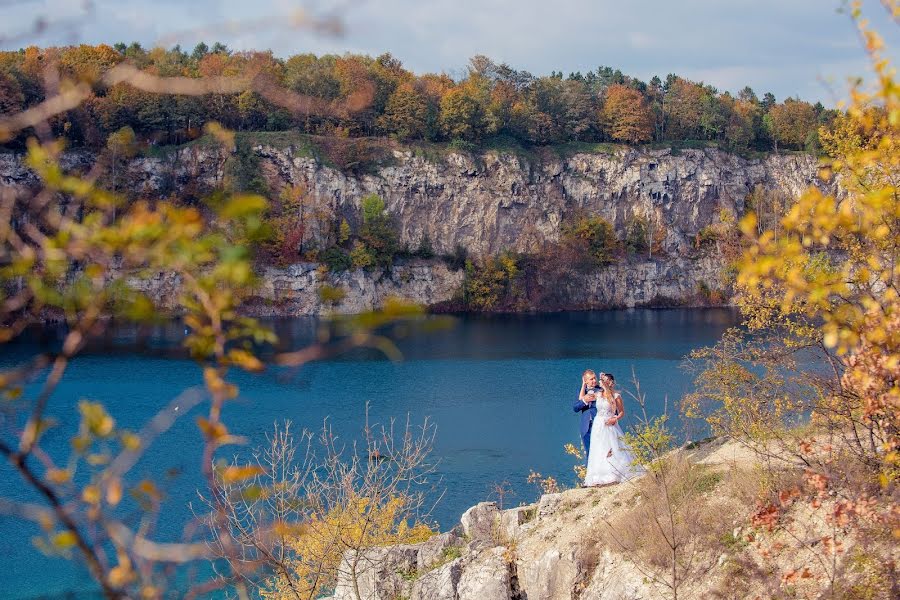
x=679, y=504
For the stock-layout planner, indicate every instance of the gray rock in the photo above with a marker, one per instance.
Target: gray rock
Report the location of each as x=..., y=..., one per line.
x=379, y=573
x=440, y=583
x=436, y=548
x=486, y=577
x=548, y=504
x=487, y=204
x=619, y=579
x=551, y=577
x=481, y=523
x=512, y=520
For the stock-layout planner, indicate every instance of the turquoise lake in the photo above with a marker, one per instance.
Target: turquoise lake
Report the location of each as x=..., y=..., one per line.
x=499, y=390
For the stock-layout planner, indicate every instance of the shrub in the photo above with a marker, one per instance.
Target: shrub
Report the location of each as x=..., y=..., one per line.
x=336, y=259
x=636, y=235
x=707, y=235
x=425, y=250
x=361, y=257
x=378, y=232
x=489, y=283
x=597, y=234
x=461, y=145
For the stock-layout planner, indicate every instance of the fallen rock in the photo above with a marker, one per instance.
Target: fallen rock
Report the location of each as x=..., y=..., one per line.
x=548, y=504
x=551, y=577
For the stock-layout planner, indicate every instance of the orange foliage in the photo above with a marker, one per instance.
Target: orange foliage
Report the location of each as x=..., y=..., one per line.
x=626, y=115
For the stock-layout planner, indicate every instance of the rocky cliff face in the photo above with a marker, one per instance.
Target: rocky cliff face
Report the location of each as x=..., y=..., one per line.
x=489, y=203
x=501, y=201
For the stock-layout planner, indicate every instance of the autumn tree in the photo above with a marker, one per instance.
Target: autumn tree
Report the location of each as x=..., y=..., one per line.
x=791, y=123
x=595, y=236
x=683, y=107
x=626, y=115
x=313, y=508
x=12, y=99
x=462, y=112
x=406, y=113
x=83, y=253
x=810, y=381
x=121, y=146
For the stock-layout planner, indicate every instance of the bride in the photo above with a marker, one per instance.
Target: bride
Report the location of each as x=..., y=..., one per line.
x=609, y=460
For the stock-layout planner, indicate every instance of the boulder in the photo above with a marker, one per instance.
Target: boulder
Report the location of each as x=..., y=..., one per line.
x=435, y=549
x=512, y=520
x=551, y=577
x=486, y=577
x=380, y=573
x=481, y=523
x=617, y=578
x=548, y=504
x=441, y=583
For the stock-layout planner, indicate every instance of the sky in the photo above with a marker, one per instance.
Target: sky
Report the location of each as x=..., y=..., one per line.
x=804, y=48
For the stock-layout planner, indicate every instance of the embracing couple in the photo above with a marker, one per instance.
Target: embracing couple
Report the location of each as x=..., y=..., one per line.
x=601, y=408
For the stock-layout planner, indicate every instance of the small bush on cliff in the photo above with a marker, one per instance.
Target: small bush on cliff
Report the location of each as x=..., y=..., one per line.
x=378, y=233
x=490, y=284
x=425, y=250
x=458, y=259
x=361, y=257
x=243, y=172
x=636, y=235
x=597, y=236
x=336, y=259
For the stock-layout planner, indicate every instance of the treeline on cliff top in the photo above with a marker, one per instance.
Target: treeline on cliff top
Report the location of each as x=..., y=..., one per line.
x=364, y=96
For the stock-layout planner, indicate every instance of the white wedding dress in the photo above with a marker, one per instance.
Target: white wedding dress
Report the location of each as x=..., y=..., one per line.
x=609, y=460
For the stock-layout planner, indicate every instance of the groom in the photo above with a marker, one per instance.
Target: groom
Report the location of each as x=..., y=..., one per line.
x=587, y=406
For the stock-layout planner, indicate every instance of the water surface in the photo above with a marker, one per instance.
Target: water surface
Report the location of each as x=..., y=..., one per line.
x=498, y=389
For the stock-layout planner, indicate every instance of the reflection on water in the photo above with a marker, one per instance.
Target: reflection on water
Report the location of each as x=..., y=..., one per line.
x=499, y=389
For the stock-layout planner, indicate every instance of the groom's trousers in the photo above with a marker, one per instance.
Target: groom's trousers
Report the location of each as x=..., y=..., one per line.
x=586, y=440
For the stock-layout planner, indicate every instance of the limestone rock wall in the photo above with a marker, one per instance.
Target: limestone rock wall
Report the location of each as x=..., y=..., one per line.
x=486, y=204
x=501, y=201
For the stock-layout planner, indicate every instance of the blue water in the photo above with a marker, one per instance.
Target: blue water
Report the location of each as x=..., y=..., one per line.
x=498, y=389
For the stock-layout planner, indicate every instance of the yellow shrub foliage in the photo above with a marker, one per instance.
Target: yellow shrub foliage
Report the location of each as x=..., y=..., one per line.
x=355, y=524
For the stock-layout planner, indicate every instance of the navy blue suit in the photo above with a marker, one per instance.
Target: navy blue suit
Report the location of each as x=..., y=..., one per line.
x=588, y=412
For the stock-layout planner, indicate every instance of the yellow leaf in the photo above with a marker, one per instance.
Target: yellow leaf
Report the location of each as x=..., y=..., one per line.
x=213, y=431
x=64, y=539
x=245, y=360
x=91, y=494
x=234, y=473
x=243, y=205
x=148, y=488
x=121, y=575
x=130, y=441
x=97, y=459
x=58, y=476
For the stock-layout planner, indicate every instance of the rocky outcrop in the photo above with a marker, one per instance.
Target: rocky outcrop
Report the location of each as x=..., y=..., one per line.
x=294, y=290
x=561, y=548
x=486, y=204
